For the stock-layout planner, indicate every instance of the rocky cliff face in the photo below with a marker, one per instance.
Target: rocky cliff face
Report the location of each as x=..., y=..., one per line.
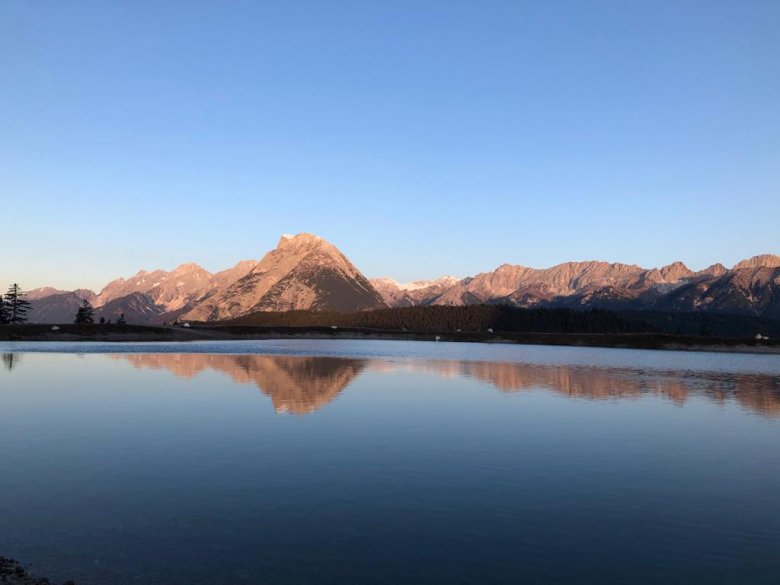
x=174, y=290
x=751, y=286
x=409, y=294
x=585, y=281
x=762, y=261
x=753, y=289
x=306, y=272
x=303, y=272
x=147, y=297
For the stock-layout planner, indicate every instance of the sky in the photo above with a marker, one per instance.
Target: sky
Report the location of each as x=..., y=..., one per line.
x=421, y=138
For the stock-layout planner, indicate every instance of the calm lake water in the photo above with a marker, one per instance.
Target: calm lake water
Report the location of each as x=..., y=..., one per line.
x=335, y=462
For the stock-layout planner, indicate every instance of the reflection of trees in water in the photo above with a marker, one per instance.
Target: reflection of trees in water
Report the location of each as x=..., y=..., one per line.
x=303, y=384
x=10, y=360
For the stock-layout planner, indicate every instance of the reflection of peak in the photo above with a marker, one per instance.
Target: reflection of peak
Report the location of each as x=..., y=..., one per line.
x=298, y=385
x=301, y=385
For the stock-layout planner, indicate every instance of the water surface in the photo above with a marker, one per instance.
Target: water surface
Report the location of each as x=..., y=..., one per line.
x=389, y=462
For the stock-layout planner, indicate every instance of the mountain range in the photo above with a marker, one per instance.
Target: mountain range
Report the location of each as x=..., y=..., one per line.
x=305, y=272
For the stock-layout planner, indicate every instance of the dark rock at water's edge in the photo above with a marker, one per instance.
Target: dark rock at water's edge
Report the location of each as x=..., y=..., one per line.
x=13, y=573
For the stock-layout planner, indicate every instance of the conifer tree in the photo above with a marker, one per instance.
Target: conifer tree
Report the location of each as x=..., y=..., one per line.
x=86, y=314
x=3, y=312
x=121, y=320
x=16, y=305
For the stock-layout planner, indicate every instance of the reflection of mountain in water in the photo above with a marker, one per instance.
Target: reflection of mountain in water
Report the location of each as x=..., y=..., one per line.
x=295, y=384
x=303, y=384
x=756, y=392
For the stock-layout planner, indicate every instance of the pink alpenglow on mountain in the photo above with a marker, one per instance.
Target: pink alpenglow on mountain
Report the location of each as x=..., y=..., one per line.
x=303, y=272
x=418, y=292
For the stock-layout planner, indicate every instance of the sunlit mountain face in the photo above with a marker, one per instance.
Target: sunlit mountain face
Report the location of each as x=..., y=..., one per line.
x=306, y=272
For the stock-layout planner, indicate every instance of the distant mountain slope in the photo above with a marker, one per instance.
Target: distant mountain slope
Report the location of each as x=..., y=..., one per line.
x=751, y=287
x=303, y=272
x=527, y=287
x=146, y=297
x=174, y=290
x=136, y=307
x=409, y=294
x=59, y=307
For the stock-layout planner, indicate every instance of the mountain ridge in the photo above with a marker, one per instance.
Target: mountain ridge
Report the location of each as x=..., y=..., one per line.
x=305, y=272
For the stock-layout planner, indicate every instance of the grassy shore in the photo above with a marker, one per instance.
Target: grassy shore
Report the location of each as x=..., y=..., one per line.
x=131, y=333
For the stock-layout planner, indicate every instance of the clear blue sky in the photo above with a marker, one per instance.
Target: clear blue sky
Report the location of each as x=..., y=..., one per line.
x=422, y=138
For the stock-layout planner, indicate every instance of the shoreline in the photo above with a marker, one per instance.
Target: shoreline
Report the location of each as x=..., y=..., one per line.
x=142, y=333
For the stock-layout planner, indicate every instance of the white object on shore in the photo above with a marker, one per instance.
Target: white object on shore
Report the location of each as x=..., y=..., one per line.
x=334, y=327
x=490, y=330
x=438, y=338
x=186, y=325
x=55, y=328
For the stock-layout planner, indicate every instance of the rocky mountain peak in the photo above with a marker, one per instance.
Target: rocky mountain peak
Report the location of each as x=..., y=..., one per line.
x=761, y=261
x=306, y=272
x=42, y=292
x=188, y=268
x=715, y=270
x=303, y=272
x=297, y=240
x=675, y=271
x=397, y=294
x=420, y=284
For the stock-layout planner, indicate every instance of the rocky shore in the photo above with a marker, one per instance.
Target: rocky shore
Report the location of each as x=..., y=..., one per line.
x=13, y=573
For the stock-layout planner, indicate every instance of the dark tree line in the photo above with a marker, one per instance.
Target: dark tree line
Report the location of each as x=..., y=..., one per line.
x=14, y=305
x=470, y=318
x=86, y=315
x=508, y=319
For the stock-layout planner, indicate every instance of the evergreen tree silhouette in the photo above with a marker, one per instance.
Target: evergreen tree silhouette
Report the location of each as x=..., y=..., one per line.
x=3, y=312
x=16, y=305
x=85, y=315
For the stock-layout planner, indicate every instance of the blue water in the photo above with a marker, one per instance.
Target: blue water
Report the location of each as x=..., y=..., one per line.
x=388, y=462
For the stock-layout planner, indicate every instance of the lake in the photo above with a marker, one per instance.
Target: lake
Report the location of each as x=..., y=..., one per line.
x=335, y=462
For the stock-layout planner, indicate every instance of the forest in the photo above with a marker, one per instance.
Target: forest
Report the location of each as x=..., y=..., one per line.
x=503, y=318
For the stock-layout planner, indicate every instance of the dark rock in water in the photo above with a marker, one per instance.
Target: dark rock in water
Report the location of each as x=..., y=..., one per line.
x=13, y=573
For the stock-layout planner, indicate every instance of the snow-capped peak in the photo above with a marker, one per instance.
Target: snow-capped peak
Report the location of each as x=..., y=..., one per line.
x=418, y=284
